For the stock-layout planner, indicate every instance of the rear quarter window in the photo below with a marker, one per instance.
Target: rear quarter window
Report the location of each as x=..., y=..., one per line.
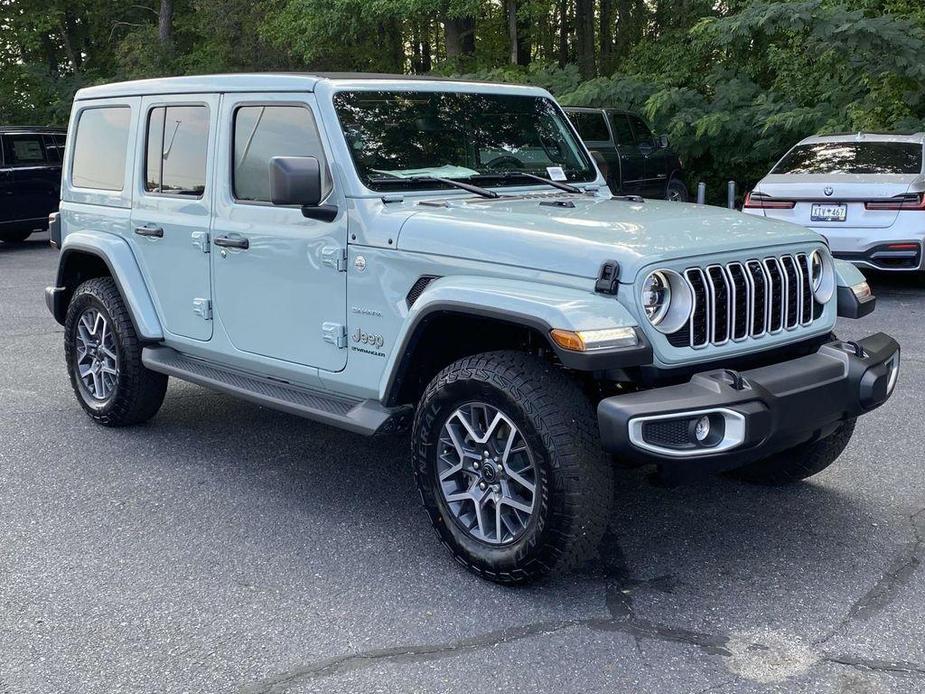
x=23, y=150
x=100, y=146
x=852, y=158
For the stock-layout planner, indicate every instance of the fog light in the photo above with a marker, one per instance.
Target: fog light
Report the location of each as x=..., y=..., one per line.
x=702, y=428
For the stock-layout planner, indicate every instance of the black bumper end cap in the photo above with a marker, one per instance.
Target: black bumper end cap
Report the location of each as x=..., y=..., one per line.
x=54, y=300
x=849, y=306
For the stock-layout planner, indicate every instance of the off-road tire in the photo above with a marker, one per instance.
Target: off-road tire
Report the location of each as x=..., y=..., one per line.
x=575, y=481
x=798, y=463
x=17, y=236
x=138, y=392
x=677, y=191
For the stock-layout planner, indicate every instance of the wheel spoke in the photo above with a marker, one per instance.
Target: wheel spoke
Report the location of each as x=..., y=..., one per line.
x=499, y=488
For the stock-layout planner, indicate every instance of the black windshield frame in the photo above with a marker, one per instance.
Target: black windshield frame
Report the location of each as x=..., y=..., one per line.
x=871, y=157
x=391, y=134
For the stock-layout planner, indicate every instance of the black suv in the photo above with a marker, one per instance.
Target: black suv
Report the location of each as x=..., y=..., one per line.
x=30, y=179
x=632, y=159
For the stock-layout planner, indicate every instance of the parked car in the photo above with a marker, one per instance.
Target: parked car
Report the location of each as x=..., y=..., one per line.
x=30, y=179
x=864, y=192
x=391, y=254
x=632, y=159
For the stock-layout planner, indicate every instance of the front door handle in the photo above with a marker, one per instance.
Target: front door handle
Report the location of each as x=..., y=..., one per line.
x=155, y=232
x=229, y=242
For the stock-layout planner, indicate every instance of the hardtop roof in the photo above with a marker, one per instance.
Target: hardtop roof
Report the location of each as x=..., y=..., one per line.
x=278, y=82
x=918, y=138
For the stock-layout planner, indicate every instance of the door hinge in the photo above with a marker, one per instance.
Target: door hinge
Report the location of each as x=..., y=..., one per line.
x=203, y=308
x=201, y=241
x=335, y=257
x=335, y=333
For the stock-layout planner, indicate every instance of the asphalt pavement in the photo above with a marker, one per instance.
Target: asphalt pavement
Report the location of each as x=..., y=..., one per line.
x=223, y=547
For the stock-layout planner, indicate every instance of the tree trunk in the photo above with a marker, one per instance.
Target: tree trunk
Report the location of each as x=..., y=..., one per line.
x=459, y=35
x=606, y=35
x=584, y=36
x=563, y=33
x=512, y=29
x=165, y=23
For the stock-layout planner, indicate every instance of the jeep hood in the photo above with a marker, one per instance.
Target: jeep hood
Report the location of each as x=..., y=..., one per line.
x=573, y=235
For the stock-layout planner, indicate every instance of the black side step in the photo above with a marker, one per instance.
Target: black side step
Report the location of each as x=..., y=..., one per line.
x=366, y=417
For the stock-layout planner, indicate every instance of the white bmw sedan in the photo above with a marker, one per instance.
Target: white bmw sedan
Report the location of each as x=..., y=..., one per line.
x=864, y=192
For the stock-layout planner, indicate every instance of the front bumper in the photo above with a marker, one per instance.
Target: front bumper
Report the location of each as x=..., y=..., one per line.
x=755, y=413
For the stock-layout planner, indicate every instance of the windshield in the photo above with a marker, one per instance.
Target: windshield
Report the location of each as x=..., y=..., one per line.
x=852, y=158
x=397, y=136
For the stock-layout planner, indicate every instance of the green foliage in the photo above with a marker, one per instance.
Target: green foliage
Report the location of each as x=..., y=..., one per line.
x=733, y=84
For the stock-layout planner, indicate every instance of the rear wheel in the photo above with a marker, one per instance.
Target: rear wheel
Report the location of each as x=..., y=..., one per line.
x=800, y=462
x=510, y=469
x=15, y=236
x=676, y=191
x=104, y=358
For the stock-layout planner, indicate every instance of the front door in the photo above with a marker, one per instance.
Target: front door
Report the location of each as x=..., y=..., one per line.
x=281, y=290
x=656, y=180
x=35, y=181
x=171, y=209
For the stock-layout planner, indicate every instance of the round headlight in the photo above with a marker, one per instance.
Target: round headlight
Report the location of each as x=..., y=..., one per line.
x=656, y=297
x=822, y=276
x=667, y=300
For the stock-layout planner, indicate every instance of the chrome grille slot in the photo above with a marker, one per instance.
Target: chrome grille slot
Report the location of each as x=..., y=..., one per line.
x=776, y=291
x=701, y=316
x=746, y=300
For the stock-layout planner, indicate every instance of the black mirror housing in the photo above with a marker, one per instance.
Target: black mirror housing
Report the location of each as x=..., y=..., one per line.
x=295, y=181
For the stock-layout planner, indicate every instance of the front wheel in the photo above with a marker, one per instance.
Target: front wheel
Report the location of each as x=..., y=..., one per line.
x=510, y=468
x=799, y=462
x=104, y=358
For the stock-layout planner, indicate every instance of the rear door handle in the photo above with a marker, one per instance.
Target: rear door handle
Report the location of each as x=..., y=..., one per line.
x=155, y=232
x=229, y=242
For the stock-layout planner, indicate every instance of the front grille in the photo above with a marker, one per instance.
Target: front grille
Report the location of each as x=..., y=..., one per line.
x=742, y=300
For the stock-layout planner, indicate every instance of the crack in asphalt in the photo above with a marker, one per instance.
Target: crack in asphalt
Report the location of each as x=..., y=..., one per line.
x=618, y=597
x=887, y=587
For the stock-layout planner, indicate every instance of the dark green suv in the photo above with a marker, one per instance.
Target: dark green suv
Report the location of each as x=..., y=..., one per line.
x=633, y=160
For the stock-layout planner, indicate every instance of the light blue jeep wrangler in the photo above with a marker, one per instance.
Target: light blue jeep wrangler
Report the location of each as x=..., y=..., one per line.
x=383, y=254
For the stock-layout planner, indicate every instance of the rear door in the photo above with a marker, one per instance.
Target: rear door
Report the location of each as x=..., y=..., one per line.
x=632, y=158
x=36, y=181
x=656, y=180
x=171, y=210
x=6, y=189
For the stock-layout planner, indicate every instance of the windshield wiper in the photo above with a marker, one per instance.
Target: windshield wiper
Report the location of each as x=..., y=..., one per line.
x=478, y=190
x=504, y=175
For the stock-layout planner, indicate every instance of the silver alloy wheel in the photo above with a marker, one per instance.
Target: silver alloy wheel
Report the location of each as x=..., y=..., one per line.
x=674, y=195
x=97, y=360
x=487, y=474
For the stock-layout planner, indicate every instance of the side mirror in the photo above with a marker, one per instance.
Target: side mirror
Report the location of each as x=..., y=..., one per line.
x=297, y=181
x=663, y=141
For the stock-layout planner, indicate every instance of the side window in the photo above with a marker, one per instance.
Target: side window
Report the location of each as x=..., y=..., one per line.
x=264, y=132
x=23, y=150
x=590, y=126
x=622, y=132
x=643, y=134
x=100, y=146
x=177, y=150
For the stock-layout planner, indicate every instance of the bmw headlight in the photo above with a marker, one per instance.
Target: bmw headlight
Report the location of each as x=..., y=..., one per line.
x=666, y=300
x=822, y=275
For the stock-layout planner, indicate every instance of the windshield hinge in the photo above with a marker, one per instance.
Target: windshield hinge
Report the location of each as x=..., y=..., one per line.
x=335, y=257
x=335, y=333
x=392, y=198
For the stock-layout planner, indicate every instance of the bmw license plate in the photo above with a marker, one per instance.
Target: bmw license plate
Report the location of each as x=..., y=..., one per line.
x=822, y=212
